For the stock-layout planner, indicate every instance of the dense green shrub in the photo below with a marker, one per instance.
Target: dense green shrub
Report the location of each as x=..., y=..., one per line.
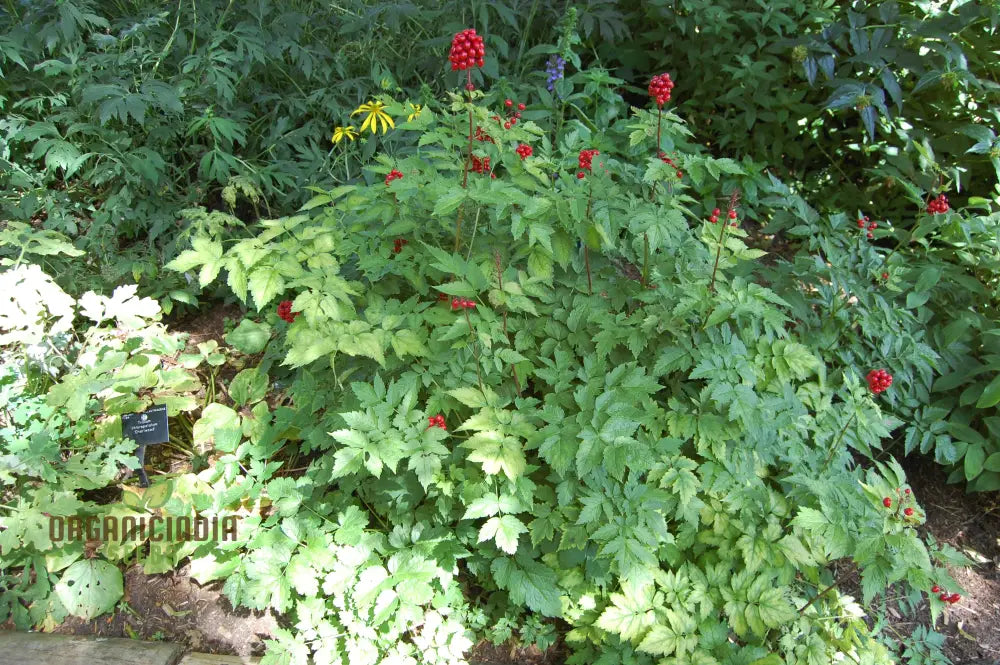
x=484, y=403
x=635, y=441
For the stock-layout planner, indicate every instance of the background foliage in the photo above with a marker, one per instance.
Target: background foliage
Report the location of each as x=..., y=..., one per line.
x=657, y=427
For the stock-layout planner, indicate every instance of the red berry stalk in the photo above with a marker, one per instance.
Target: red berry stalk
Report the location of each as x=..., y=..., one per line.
x=585, y=160
x=733, y=200
x=467, y=51
x=659, y=89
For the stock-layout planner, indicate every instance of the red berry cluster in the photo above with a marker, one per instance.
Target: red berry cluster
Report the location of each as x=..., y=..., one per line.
x=483, y=136
x=714, y=218
x=585, y=161
x=393, y=175
x=524, y=151
x=285, y=311
x=660, y=87
x=467, y=50
x=669, y=162
x=437, y=421
x=938, y=205
x=902, y=497
x=878, y=380
x=482, y=165
x=397, y=245
x=864, y=223
x=945, y=597
x=461, y=303
x=512, y=115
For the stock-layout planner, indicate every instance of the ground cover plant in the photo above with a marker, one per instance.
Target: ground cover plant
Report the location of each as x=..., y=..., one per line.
x=524, y=371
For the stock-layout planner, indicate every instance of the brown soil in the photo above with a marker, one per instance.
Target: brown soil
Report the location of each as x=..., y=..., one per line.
x=508, y=654
x=971, y=524
x=208, y=323
x=175, y=608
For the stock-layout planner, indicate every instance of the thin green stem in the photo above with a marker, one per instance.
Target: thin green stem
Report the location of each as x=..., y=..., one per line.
x=836, y=443
x=645, y=259
x=718, y=255
x=475, y=350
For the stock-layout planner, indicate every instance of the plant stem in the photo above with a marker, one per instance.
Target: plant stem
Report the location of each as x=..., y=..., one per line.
x=645, y=259
x=821, y=593
x=465, y=170
x=659, y=118
x=586, y=249
x=733, y=199
x=833, y=448
x=475, y=351
x=718, y=255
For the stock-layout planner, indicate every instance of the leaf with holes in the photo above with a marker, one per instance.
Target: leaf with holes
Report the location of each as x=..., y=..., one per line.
x=90, y=588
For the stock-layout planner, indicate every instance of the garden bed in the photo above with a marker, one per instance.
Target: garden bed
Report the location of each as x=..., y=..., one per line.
x=175, y=608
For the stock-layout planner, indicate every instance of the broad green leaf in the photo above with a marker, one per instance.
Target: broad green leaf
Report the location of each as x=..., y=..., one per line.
x=90, y=587
x=249, y=337
x=990, y=395
x=265, y=284
x=505, y=530
x=250, y=385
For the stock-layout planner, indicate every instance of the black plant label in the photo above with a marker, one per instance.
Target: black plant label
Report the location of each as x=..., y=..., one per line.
x=148, y=427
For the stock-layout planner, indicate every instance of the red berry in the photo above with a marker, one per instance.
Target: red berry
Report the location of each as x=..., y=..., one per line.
x=885, y=276
x=935, y=589
x=908, y=512
x=733, y=224
x=660, y=87
x=713, y=219
x=455, y=303
x=470, y=87
x=907, y=490
x=506, y=125
x=467, y=51
x=954, y=598
x=879, y=380
x=513, y=121
x=861, y=223
x=872, y=226
x=580, y=175
x=680, y=174
x=517, y=116
x=520, y=107
x=508, y=103
x=285, y=311
x=887, y=502
x=870, y=236
x=944, y=597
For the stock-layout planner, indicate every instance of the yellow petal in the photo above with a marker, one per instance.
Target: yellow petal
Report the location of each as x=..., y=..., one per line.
x=388, y=118
x=368, y=123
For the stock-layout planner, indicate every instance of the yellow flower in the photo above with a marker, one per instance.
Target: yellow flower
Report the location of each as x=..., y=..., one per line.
x=376, y=112
x=341, y=133
x=417, y=108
